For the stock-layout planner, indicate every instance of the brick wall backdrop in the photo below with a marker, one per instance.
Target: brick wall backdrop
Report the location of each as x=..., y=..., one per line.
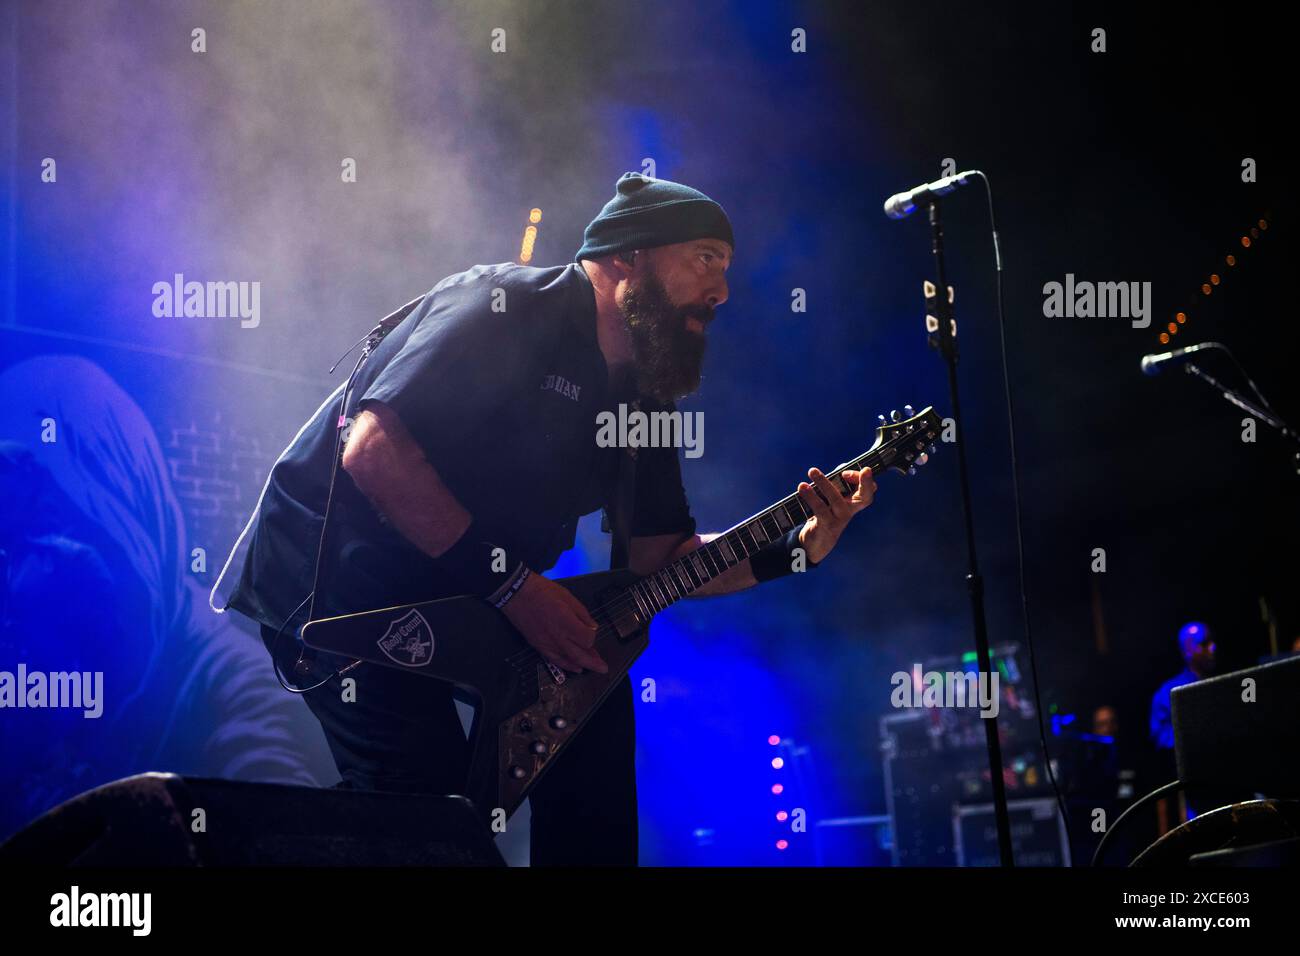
x=217, y=468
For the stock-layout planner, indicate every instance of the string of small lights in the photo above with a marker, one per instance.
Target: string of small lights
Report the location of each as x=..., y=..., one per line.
x=1246, y=242
x=530, y=237
x=782, y=815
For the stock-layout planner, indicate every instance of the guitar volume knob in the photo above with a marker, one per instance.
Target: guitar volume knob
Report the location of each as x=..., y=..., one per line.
x=558, y=723
x=518, y=772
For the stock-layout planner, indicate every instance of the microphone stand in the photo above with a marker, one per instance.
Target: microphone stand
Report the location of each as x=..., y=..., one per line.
x=944, y=338
x=1249, y=407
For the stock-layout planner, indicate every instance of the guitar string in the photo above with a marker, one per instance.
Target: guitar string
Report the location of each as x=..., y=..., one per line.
x=626, y=601
x=672, y=585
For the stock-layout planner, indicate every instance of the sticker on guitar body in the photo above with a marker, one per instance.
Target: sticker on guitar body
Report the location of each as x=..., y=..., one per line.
x=408, y=640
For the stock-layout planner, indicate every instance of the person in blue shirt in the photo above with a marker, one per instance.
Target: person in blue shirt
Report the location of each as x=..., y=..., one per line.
x=1197, y=645
x=474, y=429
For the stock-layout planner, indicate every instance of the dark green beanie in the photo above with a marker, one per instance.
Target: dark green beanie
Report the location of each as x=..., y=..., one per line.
x=649, y=212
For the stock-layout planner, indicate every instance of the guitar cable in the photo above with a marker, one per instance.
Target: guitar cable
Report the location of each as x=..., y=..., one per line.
x=303, y=665
x=370, y=340
x=1015, y=496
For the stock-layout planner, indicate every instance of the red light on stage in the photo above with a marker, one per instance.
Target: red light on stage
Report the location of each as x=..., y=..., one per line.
x=1205, y=287
x=777, y=763
x=781, y=844
x=535, y=215
x=1164, y=338
x=774, y=740
x=1215, y=279
x=778, y=788
x=782, y=816
x=1181, y=317
x=1173, y=329
x=1245, y=242
x=1263, y=224
x=1232, y=260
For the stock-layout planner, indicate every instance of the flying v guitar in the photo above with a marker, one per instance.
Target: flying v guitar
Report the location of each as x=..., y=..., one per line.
x=528, y=710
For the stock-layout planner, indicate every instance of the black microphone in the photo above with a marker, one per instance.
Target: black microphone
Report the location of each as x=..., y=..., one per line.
x=1151, y=363
x=901, y=205
x=393, y=319
x=376, y=335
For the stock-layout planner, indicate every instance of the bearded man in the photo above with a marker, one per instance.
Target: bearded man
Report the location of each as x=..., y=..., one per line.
x=475, y=435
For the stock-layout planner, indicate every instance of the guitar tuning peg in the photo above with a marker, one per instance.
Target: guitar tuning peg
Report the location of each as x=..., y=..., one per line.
x=895, y=416
x=931, y=449
x=882, y=419
x=912, y=470
x=922, y=458
x=908, y=411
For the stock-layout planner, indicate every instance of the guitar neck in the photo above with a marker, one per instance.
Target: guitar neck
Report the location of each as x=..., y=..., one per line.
x=737, y=544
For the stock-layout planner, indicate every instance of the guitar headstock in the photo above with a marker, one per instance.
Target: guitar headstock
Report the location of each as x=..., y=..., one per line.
x=905, y=440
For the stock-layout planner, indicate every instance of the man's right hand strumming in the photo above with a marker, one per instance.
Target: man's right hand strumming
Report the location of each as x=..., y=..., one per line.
x=556, y=624
x=389, y=468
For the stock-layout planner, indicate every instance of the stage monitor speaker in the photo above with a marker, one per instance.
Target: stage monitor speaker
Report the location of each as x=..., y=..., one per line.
x=161, y=819
x=1231, y=734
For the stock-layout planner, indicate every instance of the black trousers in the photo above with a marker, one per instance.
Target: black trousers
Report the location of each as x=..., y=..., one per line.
x=402, y=734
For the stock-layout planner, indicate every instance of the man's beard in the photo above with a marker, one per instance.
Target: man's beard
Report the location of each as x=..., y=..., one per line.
x=668, y=356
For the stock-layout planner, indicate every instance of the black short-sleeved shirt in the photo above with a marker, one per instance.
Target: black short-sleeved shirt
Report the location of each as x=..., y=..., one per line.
x=499, y=378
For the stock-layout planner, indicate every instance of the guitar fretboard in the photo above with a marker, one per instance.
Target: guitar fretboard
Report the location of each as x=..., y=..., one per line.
x=696, y=568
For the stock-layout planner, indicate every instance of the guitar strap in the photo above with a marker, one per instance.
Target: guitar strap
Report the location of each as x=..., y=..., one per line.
x=620, y=511
x=324, y=566
x=618, y=516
